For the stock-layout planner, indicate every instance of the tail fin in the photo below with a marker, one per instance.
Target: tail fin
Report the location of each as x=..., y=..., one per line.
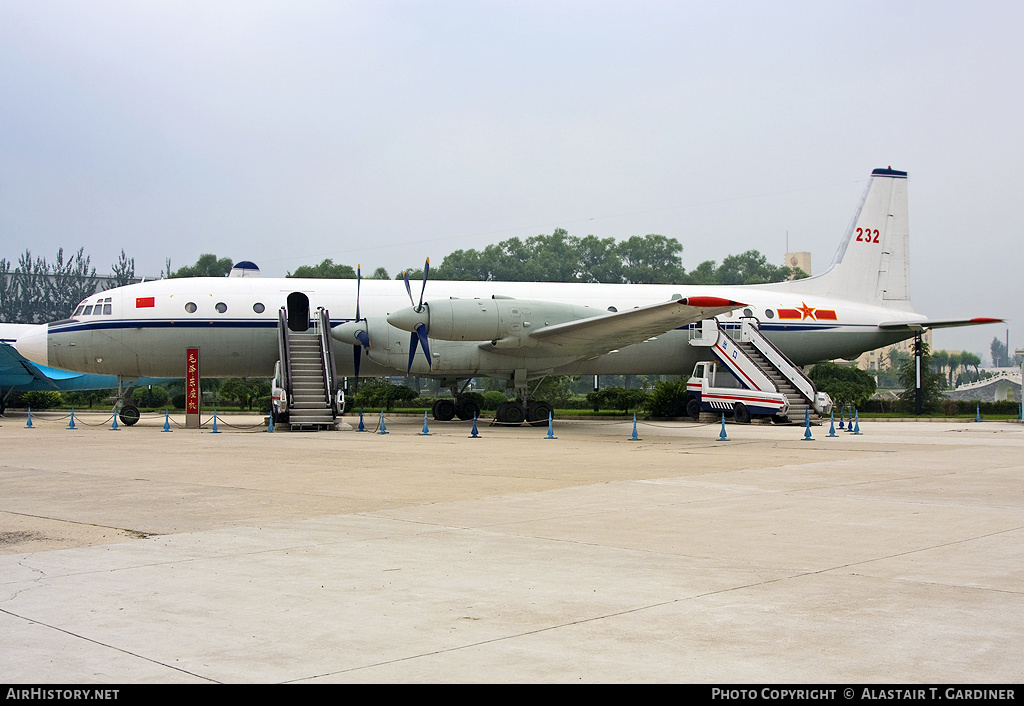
x=872, y=264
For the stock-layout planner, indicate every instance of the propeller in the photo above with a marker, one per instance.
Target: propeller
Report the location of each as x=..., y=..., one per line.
x=419, y=335
x=361, y=335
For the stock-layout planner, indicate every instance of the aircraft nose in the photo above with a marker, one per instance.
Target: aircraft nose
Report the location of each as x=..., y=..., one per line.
x=33, y=344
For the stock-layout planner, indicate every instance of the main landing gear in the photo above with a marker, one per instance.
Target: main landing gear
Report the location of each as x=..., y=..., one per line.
x=465, y=408
x=534, y=413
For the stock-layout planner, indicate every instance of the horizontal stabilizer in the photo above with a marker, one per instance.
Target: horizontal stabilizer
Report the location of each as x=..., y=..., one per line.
x=948, y=323
x=607, y=332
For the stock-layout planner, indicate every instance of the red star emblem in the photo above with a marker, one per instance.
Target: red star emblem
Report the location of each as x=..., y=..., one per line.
x=807, y=311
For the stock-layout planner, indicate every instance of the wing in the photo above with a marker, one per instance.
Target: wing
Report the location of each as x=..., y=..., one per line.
x=16, y=371
x=607, y=332
x=948, y=323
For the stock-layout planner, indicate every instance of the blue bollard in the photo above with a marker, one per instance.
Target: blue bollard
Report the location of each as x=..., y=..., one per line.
x=71, y=424
x=832, y=424
x=270, y=426
x=977, y=414
x=551, y=429
x=113, y=424
x=722, y=436
x=425, y=432
x=634, y=437
x=383, y=429
x=28, y=425
x=167, y=420
x=215, y=430
x=841, y=425
x=361, y=427
x=856, y=430
x=475, y=434
x=807, y=426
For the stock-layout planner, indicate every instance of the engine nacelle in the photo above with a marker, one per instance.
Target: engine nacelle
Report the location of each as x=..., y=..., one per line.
x=487, y=319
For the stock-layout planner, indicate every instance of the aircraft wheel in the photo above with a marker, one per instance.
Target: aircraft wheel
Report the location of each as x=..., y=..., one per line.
x=511, y=413
x=740, y=413
x=693, y=408
x=466, y=409
x=129, y=415
x=537, y=413
x=444, y=410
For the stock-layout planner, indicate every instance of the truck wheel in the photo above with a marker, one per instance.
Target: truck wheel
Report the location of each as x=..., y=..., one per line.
x=740, y=413
x=693, y=408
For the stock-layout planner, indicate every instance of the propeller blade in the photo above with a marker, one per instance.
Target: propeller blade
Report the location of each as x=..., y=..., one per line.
x=359, y=281
x=421, y=333
x=408, y=288
x=426, y=271
x=413, y=341
x=357, y=351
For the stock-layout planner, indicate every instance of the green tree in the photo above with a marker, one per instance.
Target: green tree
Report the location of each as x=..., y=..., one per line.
x=846, y=385
x=668, y=399
x=244, y=391
x=206, y=266
x=651, y=259
x=750, y=267
x=383, y=394
x=618, y=398
x=931, y=382
x=325, y=270
x=35, y=290
x=122, y=272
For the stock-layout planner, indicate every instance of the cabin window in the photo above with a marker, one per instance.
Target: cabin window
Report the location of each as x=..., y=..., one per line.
x=748, y=312
x=107, y=309
x=258, y=308
x=612, y=309
x=769, y=313
x=221, y=307
x=191, y=307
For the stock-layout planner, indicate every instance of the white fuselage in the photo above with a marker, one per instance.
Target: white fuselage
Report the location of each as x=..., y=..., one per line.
x=233, y=321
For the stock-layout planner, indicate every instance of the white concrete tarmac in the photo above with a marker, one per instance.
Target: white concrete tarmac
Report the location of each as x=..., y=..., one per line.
x=139, y=556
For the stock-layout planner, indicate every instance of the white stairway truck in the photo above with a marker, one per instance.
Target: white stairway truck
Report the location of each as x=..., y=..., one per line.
x=769, y=383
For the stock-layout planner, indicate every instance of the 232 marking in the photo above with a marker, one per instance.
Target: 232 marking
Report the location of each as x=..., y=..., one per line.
x=866, y=235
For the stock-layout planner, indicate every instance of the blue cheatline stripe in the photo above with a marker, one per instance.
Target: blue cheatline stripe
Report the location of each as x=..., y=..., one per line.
x=172, y=323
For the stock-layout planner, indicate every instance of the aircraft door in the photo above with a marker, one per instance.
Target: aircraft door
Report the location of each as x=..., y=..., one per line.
x=298, y=311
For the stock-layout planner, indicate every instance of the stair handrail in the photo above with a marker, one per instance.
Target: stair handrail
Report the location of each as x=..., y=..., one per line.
x=284, y=352
x=769, y=350
x=323, y=330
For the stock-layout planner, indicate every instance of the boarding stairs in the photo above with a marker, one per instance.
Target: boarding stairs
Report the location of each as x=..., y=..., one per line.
x=311, y=379
x=758, y=365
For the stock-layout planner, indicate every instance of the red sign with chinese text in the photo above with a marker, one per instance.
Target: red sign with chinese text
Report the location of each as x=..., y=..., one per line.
x=192, y=393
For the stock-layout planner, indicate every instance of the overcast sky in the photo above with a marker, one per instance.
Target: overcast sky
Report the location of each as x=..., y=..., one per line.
x=385, y=132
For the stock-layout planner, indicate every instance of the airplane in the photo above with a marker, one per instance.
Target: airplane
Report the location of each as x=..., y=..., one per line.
x=519, y=332
x=17, y=374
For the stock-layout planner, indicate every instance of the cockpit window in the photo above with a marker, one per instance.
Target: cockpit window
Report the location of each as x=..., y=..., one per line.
x=78, y=311
x=107, y=309
x=88, y=310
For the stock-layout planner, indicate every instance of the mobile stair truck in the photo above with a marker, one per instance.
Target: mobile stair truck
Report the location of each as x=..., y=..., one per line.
x=757, y=379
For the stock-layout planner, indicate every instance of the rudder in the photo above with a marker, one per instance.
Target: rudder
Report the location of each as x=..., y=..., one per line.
x=872, y=263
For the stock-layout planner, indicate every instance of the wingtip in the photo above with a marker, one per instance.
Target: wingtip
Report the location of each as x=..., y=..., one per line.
x=710, y=302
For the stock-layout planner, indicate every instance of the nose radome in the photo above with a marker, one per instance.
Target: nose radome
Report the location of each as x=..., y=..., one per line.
x=33, y=344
